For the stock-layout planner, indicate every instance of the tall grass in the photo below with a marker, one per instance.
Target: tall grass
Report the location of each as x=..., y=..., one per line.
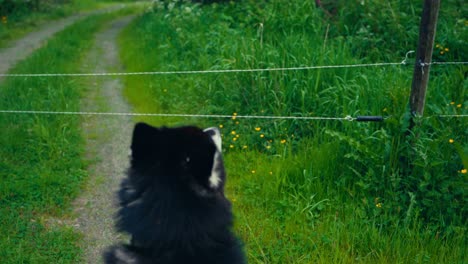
x=41, y=169
x=318, y=191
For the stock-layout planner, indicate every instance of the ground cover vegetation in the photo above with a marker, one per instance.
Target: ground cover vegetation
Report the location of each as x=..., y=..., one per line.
x=41, y=169
x=322, y=191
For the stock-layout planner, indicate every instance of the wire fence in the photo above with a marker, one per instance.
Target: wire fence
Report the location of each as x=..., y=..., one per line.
x=301, y=68
x=233, y=116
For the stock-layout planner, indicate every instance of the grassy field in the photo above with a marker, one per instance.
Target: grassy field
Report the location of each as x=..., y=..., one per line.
x=322, y=191
x=41, y=165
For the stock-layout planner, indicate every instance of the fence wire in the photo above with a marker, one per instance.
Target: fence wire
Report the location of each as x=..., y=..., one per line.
x=383, y=64
x=346, y=118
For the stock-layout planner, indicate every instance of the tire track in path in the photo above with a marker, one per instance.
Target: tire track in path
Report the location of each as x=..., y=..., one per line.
x=107, y=145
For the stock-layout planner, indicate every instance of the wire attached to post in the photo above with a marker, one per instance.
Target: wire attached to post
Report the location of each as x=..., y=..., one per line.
x=406, y=57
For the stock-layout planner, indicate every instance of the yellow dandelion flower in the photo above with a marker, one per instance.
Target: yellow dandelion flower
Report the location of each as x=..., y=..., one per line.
x=446, y=49
x=437, y=45
x=233, y=132
x=452, y=103
x=451, y=141
x=271, y=173
x=262, y=136
x=234, y=114
x=258, y=128
x=221, y=126
x=244, y=147
x=268, y=147
x=378, y=205
x=234, y=139
x=442, y=53
x=253, y=171
x=231, y=146
x=459, y=105
x=283, y=141
x=237, y=136
x=463, y=171
x=237, y=122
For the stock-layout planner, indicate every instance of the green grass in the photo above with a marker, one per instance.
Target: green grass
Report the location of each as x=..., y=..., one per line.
x=41, y=165
x=318, y=191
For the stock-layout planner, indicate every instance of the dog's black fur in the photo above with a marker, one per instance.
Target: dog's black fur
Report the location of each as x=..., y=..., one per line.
x=171, y=204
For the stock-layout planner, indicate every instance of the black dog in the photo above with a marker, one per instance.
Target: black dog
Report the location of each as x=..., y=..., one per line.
x=173, y=203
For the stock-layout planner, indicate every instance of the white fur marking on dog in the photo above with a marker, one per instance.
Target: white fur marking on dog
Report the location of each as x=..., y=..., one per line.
x=124, y=257
x=215, y=179
x=215, y=136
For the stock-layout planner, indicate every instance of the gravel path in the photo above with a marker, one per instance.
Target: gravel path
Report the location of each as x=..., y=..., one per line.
x=108, y=141
x=23, y=47
x=107, y=138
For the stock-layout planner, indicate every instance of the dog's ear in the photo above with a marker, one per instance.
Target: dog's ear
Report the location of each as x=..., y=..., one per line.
x=145, y=140
x=215, y=135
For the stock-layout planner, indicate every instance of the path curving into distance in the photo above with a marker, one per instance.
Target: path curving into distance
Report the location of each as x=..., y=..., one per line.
x=107, y=138
x=21, y=48
x=107, y=144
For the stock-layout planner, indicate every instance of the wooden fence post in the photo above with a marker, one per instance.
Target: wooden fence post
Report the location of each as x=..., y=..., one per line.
x=422, y=65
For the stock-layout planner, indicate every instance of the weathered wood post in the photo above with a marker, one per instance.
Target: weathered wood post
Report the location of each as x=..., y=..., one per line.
x=422, y=65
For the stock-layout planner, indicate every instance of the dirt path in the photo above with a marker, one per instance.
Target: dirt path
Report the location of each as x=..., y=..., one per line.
x=23, y=47
x=107, y=138
x=108, y=141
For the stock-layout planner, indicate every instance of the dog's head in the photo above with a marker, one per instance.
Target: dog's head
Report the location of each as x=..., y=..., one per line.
x=179, y=157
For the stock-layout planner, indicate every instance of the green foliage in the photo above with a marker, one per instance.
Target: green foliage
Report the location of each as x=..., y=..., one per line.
x=16, y=18
x=318, y=191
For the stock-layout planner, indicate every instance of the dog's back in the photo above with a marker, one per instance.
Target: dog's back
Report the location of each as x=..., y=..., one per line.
x=173, y=203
